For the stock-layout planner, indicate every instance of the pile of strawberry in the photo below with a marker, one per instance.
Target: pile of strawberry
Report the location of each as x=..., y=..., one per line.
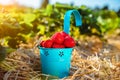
x=59, y=40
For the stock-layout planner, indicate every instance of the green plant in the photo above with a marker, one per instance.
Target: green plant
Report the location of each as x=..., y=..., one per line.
x=21, y=24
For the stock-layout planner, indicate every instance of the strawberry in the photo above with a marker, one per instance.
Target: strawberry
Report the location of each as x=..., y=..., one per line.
x=48, y=43
x=42, y=43
x=69, y=42
x=64, y=34
x=55, y=45
x=58, y=38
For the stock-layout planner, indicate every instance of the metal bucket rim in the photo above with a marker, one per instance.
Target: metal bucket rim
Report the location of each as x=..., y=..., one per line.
x=53, y=48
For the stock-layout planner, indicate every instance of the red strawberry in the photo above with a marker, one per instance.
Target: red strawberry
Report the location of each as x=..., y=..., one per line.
x=42, y=43
x=58, y=38
x=64, y=34
x=69, y=42
x=48, y=43
x=55, y=45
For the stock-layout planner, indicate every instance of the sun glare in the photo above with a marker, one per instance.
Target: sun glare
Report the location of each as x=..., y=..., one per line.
x=6, y=2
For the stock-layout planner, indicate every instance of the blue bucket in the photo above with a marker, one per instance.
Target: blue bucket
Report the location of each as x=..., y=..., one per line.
x=56, y=61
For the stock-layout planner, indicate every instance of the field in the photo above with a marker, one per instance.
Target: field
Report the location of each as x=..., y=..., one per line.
x=96, y=55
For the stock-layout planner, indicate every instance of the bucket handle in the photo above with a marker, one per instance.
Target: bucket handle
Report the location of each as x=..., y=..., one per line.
x=78, y=20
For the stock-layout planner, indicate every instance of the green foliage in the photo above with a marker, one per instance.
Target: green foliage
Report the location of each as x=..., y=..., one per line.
x=28, y=19
x=4, y=51
x=108, y=21
x=20, y=24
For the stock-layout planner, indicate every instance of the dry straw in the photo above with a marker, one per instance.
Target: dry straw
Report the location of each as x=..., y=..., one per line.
x=24, y=64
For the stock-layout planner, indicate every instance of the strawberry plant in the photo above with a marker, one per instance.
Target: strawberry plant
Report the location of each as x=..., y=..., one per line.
x=20, y=24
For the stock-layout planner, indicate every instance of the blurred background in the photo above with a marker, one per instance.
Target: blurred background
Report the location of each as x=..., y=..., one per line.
x=23, y=20
x=114, y=5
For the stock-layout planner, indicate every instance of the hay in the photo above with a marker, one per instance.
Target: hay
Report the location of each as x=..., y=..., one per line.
x=88, y=63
